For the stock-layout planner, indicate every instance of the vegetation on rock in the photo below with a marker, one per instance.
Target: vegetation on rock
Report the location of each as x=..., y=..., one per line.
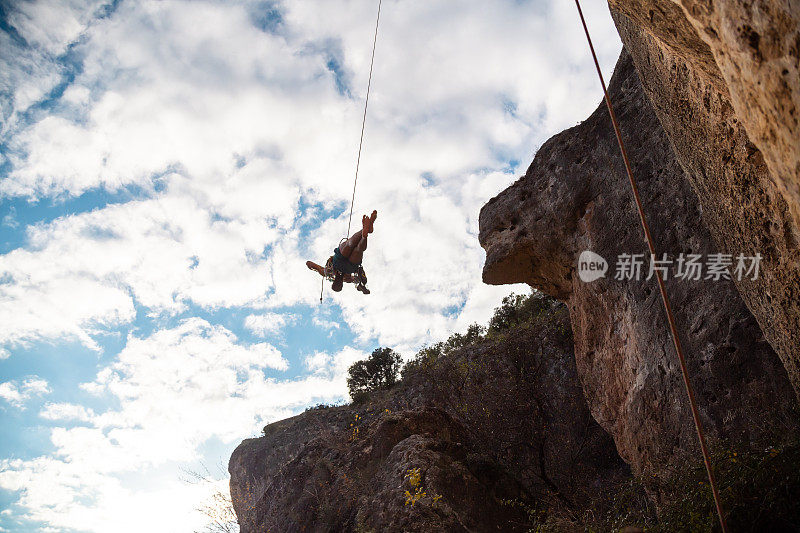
x=378, y=371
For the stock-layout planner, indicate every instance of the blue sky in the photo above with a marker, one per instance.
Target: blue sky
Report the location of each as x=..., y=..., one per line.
x=166, y=169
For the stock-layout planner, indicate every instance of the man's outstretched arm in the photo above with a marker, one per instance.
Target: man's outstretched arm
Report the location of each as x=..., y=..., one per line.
x=313, y=266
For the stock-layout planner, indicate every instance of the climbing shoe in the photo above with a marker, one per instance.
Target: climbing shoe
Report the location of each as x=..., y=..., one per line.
x=361, y=287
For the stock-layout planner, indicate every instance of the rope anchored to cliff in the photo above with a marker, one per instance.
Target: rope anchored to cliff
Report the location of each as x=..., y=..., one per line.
x=661, y=287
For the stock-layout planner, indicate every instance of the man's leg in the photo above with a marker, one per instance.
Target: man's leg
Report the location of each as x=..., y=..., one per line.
x=368, y=222
x=358, y=252
x=354, y=248
x=350, y=245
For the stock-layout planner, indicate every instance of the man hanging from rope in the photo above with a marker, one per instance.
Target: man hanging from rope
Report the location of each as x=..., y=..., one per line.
x=345, y=263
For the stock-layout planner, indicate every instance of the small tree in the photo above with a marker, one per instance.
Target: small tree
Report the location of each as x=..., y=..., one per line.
x=378, y=371
x=517, y=309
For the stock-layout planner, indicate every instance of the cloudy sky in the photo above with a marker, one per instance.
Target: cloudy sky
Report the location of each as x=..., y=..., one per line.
x=167, y=167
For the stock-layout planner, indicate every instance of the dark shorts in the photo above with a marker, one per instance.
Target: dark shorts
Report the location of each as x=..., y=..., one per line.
x=342, y=264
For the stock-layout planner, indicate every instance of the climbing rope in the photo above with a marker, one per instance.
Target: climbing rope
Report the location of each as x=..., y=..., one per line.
x=661, y=287
x=364, y=119
x=361, y=140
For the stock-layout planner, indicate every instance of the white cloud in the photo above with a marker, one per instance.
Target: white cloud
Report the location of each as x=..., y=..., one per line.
x=176, y=389
x=66, y=495
x=30, y=64
x=251, y=124
x=225, y=90
x=265, y=324
x=334, y=365
x=161, y=253
x=324, y=323
x=58, y=307
x=317, y=361
x=4, y=354
x=50, y=26
x=17, y=393
x=66, y=411
x=10, y=220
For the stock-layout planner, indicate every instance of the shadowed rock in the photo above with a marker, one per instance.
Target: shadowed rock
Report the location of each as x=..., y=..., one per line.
x=495, y=429
x=575, y=196
x=724, y=79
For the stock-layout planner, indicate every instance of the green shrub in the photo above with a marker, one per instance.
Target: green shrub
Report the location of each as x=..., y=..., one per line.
x=517, y=309
x=378, y=371
x=322, y=406
x=430, y=354
x=759, y=489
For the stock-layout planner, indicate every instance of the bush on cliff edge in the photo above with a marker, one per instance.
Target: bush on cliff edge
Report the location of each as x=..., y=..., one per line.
x=378, y=371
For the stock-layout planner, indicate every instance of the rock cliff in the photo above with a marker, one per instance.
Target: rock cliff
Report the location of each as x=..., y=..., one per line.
x=723, y=78
x=481, y=438
x=623, y=350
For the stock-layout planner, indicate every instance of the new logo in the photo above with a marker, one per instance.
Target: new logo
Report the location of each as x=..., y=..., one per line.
x=591, y=266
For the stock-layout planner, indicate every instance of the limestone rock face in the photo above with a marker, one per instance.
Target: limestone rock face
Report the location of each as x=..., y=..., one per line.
x=575, y=196
x=337, y=480
x=751, y=51
x=724, y=79
x=492, y=431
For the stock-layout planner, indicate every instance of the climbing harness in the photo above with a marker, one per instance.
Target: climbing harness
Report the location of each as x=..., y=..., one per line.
x=359, y=277
x=360, y=145
x=330, y=273
x=661, y=287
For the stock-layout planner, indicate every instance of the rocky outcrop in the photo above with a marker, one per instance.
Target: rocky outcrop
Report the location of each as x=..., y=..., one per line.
x=575, y=196
x=750, y=52
x=475, y=439
x=345, y=477
x=724, y=79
